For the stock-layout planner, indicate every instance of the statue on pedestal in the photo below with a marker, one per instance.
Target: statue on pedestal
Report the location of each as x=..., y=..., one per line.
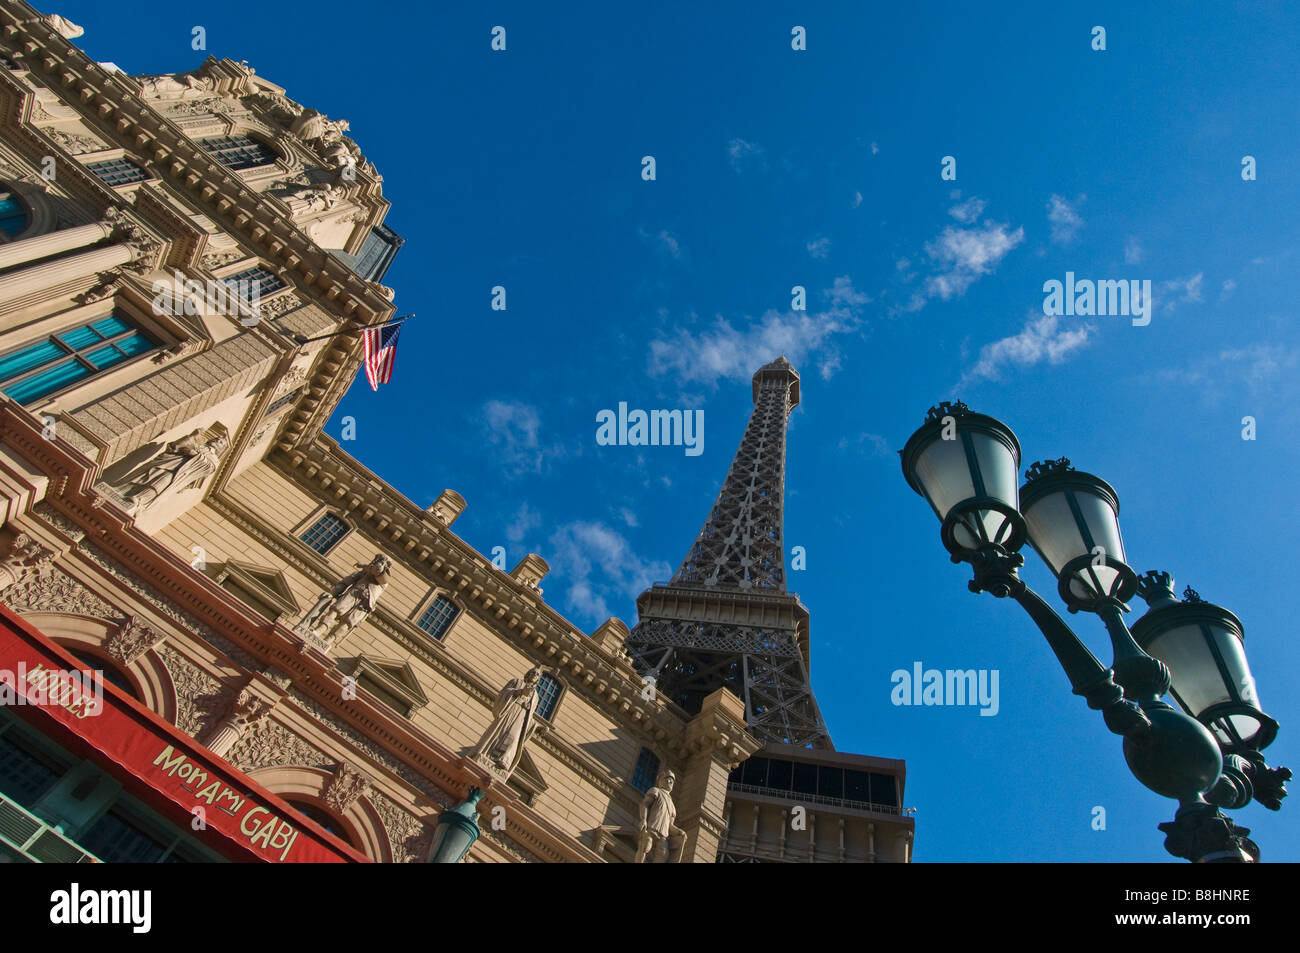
x=658, y=812
x=514, y=719
x=346, y=606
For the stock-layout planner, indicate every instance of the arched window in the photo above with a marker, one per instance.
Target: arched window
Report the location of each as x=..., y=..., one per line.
x=13, y=214
x=239, y=152
x=548, y=690
x=109, y=669
x=323, y=818
x=437, y=618
x=647, y=770
x=324, y=533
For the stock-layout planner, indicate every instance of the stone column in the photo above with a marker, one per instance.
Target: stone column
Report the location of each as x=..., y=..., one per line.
x=717, y=740
x=53, y=243
x=38, y=277
x=246, y=711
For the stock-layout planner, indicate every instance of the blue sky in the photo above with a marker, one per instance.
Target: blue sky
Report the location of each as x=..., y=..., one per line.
x=821, y=168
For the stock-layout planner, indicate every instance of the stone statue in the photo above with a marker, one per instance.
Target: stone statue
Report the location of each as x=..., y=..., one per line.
x=315, y=198
x=174, y=87
x=63, y=26
x=514, y=719
x=183, y=464
x=346, y=606
x=658, y=812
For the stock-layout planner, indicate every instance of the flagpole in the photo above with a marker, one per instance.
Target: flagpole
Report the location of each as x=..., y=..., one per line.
x=299, y=339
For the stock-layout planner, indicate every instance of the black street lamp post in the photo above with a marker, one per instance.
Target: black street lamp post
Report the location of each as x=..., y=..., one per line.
x=1205, y=756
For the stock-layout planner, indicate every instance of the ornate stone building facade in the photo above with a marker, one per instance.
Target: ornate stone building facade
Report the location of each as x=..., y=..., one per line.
x=187, y=264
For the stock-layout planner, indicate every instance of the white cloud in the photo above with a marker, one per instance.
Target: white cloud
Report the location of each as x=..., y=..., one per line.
x=1180, y=291
x=872, y=443
x=963, y=255
x=629, y=517
x=599, y=566
x=968, y=211
x=665, y=241
x=1229, y=286
x=514, y=428
x=843, y=296
x=874, y=149
x=1133, y=253
x=1064, y=218
x=1266, y=371
x=1041, y=340
x=857, y=200
x=744, y=154
x=819, y=248
x=725, y=352
x=525, y=521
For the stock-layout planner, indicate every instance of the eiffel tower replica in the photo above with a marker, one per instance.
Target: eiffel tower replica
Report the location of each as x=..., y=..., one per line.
x=726, y=620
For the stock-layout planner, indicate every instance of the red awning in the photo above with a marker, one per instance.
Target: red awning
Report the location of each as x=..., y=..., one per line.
x=158, y=763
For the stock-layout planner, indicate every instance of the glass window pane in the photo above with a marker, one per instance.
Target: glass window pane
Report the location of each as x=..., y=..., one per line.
x=117, y=171
x=883, y=790
x=324, y=533
x=47, y=382
x=646, y=771
x=805, y=778
x=779, y=774
x=110, y=326
x=81, y=337
x=25, y=772
x=135, y=344
x=548, y=691
x=13, y=217
x=115, y=838
x=754, y=771
x=28, y=358
x=105, y=356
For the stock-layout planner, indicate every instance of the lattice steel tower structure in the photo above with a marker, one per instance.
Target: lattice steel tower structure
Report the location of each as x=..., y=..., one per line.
x=725, y=618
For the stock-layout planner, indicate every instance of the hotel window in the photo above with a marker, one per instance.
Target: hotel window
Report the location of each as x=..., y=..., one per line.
x=647, y=770
x=7, y=63
x=62, y=360
x=259, y=282
x=238, y=152
x=284, y=401
x=13, y=214
x=324, y=533
x=27, y=770
x=116, y=172
x=437, y=618
x=548, y=690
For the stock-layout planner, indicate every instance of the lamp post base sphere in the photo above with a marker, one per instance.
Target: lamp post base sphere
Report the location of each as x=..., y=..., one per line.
x=1177, y=758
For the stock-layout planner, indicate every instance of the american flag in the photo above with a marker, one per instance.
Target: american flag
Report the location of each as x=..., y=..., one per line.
x=381, y=353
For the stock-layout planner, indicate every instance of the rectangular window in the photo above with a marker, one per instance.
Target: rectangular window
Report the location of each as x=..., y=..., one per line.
x=238, y=152
x=324, y=533
x=65, y=359
x=26, y=772
x=253, y=283
x=117, y=172
x=284, y=401
x=437, y=618
x=647, y=770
